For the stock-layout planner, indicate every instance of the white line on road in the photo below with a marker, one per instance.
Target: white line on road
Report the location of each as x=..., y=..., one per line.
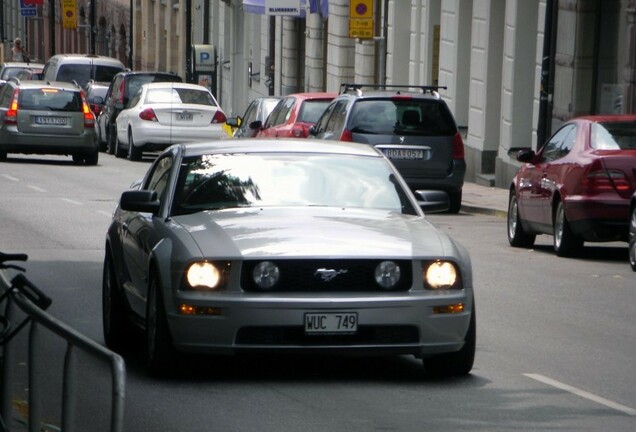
x=36, y=188
x=582, y=393
x=105, y=213
x=72, y=201
x=8, y=177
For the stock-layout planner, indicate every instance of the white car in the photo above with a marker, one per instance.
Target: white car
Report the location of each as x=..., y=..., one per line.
x=162, y=114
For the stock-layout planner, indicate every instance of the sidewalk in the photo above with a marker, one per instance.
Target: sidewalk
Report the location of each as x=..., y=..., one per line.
x=484, y=200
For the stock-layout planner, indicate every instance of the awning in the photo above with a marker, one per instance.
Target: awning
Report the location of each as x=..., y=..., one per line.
x=315, y=6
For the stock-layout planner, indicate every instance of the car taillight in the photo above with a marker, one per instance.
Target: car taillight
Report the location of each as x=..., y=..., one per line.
x=89, y=117
x=458, y=146
x=148, y=114
x=346, y=135
x=11, y=116
x=603, y=180
x=219, y=117
x=121, y=91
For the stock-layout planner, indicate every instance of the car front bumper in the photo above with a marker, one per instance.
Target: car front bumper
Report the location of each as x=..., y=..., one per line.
x=400, y=324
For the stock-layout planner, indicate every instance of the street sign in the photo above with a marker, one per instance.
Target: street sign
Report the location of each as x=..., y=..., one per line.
x=26, y=12
x=361, y=19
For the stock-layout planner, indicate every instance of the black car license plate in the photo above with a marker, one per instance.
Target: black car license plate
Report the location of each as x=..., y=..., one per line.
x=331, y=323
x=184, y=116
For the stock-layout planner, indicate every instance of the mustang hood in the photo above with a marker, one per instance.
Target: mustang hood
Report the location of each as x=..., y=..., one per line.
x=314, y=232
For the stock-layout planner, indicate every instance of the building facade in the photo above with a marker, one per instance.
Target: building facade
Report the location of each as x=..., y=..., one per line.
x=512, y=71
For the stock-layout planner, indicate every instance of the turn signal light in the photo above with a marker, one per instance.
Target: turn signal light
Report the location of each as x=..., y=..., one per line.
x=449, y=309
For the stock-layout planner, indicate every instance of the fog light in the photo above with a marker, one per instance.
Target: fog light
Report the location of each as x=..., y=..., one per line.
x=449, y=309
x=186, y=309
x=266, y=274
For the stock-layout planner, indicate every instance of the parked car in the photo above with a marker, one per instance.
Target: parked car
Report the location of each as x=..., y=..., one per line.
x=165, y=113
x=81, y=68
x=10, y=69
x=257, y=111
x=415, y=129
x=42, y=117
x=294, y=115
x=123, y=86
x=95, y=93
x=577, y=187
x=284, y=245
x=632, y=232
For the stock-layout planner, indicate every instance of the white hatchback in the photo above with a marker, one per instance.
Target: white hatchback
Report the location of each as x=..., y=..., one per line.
x=162, y=114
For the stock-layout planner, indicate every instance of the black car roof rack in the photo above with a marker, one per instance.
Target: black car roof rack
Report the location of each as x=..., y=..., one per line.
x=347, y=87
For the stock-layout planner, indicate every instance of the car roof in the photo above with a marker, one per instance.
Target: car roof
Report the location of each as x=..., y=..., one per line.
x=287, y=145
x=174, y=84
x=137, y=72
x=356, y=91
x=27, y=84
x=88, y=59
x=312, y=95
x=22, y=65
x=607, y=118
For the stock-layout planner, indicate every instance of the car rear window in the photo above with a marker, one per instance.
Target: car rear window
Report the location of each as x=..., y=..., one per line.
x=311, y=110
x=405, y=116
x=83, y=73
x=134, y=82
x=50, y=99
x=179, y=95
x=614, y=135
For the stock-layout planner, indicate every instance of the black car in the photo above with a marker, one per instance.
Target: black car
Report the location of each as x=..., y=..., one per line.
x=412, y=125
x=123, y=86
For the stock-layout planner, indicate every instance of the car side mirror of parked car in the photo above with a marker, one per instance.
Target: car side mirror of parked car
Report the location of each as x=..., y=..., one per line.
x=119, y=106
x=525, y=155
x=97, y=100
x=140, y=201
x=256, y=124
x=432, y=201
x=233, y=122
x=312, y=130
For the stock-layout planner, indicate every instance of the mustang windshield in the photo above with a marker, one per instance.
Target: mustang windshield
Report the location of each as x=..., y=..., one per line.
x=213, y=182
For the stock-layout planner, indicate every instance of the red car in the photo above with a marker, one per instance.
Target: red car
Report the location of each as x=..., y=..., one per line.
x=295, y=114
x=577, y=187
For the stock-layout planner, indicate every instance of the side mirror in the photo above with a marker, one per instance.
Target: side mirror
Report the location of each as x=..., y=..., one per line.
x=232, y=122
x=312, y=130
x=525, y=155
x=97, y=100
x=119, y=106
x=431, y=201
x=256, y=125
x=145, y=201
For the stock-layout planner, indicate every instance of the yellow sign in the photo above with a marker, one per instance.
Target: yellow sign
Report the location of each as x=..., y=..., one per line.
x=361, y=19
x=361, y=9
x=69, y=14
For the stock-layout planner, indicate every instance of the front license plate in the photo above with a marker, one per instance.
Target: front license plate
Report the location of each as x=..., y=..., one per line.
x=404, y=154
x=338, y=322
x=58, y=121
x=184, y=116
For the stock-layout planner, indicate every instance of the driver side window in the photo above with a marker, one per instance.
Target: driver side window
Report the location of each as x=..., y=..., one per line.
x=560, y=144
x=158, y=180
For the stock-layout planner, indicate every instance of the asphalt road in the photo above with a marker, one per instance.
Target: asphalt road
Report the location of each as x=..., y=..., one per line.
x=556, y=341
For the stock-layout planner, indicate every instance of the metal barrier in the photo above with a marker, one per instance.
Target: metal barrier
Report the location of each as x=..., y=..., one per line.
x=19, y=291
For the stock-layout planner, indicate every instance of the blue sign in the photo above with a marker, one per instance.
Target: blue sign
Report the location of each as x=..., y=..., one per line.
x=28, y=11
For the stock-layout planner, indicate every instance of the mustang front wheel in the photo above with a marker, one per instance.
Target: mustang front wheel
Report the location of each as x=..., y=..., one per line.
x=160, y=354
x=117, y=329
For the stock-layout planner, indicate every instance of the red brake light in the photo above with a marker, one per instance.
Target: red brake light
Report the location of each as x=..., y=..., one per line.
x=89, y=117
x=11, y=116
x=346, y=135
x=121, y=90
x=458, y=146
x=607, y=181
x=219, y=117
x=148, y=114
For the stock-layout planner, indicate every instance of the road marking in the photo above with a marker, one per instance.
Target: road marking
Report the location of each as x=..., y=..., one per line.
x=37, y=189
x=72, y=201
x=8, y=177
x=105, y=213
x=582, y=393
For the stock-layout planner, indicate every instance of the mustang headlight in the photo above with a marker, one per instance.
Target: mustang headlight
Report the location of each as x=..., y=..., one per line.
x=441, y=275
x=204, y=275
x=266, y=274
x=387, y=274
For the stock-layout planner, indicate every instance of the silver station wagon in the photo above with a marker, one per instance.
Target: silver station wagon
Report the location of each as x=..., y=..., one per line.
x=46, y=118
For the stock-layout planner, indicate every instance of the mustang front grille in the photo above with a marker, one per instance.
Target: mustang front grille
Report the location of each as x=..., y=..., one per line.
x=327, y=276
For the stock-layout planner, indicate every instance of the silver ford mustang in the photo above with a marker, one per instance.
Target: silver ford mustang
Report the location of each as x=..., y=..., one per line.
x=285, y=246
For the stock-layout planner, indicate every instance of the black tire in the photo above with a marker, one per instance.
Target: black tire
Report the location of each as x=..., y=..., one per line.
x=116, y=325
x=632, y=237
x=457, y=363
x=517, y=237
x=3, y=156
x=101, y=144
x=455, y=200
x=160, y=353
x=134, y=153
x=119, y=151
x=92, y=158
x=111, y=140
x=566, y=243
